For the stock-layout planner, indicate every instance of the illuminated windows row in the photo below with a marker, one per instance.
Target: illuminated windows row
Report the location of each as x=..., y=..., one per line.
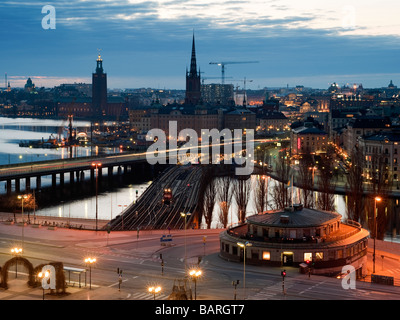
x=307, y=256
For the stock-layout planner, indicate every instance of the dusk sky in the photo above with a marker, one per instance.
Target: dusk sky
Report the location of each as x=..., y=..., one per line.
x=148, y=43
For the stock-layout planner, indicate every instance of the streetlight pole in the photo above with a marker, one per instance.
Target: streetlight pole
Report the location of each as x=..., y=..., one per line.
x=377, y=199
x=43, y=275
x=244, y=245
x=97, y=165
x=22, y=198
x=312, y=184
x=16, y=251
x=90, y=261
x=195, y=274
x=154, y=291
x=184, y=215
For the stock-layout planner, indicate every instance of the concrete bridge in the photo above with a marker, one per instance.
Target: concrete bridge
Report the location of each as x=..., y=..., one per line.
x=74, y=169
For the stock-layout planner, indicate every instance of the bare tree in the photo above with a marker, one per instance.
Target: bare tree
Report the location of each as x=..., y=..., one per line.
x=224, y=198
x=280, y=193
x=354, y=185
x=327, y=185
x=381, y=184
x=261, y=193
x=241, y=192
x=209, y=198
x=306, y=180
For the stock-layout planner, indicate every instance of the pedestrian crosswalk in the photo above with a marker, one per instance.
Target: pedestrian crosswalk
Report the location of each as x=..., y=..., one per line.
x=275, y=291
x=146, y=296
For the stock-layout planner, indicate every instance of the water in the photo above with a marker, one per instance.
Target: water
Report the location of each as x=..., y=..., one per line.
x=13, y=131
x=110, y=203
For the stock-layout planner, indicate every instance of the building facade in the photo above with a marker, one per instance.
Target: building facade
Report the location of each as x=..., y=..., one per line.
x=308, y=139
x=293, y=236
x=382, y=152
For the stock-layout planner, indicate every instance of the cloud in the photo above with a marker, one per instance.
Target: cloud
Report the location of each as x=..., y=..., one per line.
x=143, y=39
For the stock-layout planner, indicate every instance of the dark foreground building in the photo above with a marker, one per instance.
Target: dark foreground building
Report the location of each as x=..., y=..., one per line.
x=295, y=236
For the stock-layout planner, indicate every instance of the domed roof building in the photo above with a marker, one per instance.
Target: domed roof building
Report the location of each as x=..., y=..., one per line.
x=298, y=237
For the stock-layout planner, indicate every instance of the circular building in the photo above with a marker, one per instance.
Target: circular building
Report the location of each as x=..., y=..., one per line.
x=299, y=237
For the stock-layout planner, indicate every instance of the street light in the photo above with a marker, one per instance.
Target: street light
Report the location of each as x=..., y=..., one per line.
x=377, y=199
x=154, y=291
x=97, y=165
x=195, y=274
x=244, y=245
x=22, y=198
x=43, y=275
x=16, y=251
x=312, y=189
x=184, y=215
x=90, y=261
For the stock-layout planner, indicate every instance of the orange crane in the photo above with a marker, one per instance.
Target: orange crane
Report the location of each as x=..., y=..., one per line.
x=222, y=64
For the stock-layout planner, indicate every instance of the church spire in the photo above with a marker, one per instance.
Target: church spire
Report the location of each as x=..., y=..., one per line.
x=193, y=87
x=193, y=64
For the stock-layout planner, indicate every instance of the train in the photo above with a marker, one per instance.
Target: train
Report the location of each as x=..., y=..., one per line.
x=167, y=196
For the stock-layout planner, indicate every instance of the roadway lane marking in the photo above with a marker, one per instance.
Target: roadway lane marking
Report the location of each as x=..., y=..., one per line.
x=114, y=284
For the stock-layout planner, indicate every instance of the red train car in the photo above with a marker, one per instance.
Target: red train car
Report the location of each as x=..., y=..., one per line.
x=167, y=196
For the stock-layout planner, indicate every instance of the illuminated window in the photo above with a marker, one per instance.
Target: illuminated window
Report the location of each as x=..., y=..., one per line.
x=307, y=256
x=319, y=256
x=266, y=255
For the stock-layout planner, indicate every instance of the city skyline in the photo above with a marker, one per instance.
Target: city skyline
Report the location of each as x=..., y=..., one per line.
x=147, y=44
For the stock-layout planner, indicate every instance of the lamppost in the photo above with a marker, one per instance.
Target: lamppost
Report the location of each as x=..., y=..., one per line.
x=122, y=216
x=377, y=199
x=16, y=252
x=154, y=291
x=312, y=184
x=22, y=198
x=43, y=275
x=97, y=165
x=90, y=261
x=184, y=215
x=195, y=274
x=244, y=246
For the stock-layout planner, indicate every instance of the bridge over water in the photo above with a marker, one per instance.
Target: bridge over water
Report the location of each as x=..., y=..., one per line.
x=74, y=169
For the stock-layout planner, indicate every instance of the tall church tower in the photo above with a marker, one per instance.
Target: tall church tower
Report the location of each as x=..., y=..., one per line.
x=99, y=90
x=193, y=89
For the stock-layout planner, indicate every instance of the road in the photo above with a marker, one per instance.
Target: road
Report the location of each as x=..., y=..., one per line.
x=140, y=262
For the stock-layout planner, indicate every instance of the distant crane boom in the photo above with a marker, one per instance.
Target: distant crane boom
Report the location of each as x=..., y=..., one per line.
x=223, y=63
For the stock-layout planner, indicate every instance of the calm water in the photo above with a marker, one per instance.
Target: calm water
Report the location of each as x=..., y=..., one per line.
x=13, y=131
x=110, y=204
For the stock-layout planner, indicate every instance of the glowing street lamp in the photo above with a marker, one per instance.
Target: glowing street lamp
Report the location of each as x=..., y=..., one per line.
x=195, y=274
x=97, y=165
x=16, y=252
x=43, y=275
x=154, y=291
x=244, y=246
x=90, y=261
x=184, y=215
x=22, y=198
x=377, y=199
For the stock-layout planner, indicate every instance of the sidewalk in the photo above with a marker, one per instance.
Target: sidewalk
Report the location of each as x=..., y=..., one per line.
x=18, y=289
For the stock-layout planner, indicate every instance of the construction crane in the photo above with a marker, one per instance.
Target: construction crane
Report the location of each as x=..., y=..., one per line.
x=244, y=87
x=206, y=78
x=222, y=64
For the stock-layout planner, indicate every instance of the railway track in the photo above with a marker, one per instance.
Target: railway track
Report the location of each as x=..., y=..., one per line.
x=150, y=212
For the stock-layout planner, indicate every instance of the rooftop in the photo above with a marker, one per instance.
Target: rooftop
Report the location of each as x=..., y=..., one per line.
x=298, y=219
